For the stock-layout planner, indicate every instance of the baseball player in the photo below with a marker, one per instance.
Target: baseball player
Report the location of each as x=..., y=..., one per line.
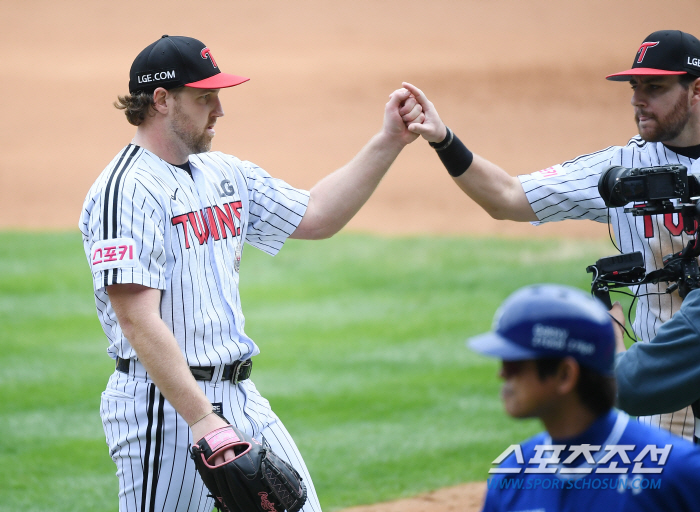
x=557, y=348
x=666, y=101
x=163, y=229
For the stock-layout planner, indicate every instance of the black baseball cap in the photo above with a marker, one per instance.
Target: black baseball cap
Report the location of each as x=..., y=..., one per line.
x=665, y=52
x=174, y=61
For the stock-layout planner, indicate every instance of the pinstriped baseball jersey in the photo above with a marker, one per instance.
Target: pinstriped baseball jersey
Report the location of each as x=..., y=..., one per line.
x=570, y=191
x=147, y=222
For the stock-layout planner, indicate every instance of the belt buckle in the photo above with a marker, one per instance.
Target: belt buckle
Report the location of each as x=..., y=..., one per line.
x=241, y=371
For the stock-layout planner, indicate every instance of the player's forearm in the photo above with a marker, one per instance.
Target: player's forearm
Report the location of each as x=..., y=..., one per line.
x=138, y=312
x=340, y=195
x=162, y=358
x=498, y=193
x=160, y=355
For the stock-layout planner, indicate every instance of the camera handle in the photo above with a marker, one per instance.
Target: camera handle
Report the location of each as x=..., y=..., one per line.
x=602, y=292
x=615, y=272
x=689, y=275
x=690, y=278
x=680, y=268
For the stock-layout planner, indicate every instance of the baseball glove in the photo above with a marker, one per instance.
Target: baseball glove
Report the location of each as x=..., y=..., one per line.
x=255, y=480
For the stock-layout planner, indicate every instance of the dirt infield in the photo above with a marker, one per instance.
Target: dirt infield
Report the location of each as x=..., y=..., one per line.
x=520, y=81
x=461, y=498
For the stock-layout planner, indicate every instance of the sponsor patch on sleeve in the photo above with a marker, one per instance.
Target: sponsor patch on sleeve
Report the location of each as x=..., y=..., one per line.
x=549, y=172
x=113, y=253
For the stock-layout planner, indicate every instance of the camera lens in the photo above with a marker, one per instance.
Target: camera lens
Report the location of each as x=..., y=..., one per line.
x=609, y=186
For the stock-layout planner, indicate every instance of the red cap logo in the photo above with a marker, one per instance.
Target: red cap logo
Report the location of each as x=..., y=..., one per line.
x=642, y=50
x=206, y=54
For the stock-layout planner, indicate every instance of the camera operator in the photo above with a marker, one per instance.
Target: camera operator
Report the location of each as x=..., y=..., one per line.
x=663, y=375
x=666, y=99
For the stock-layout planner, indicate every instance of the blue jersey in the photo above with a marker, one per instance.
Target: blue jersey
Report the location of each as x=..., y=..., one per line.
x=617, y=464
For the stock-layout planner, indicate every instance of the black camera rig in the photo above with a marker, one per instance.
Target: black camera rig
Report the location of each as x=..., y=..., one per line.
x=657, y=190
x=626, y=270
x=663, y=189
x=655, y=187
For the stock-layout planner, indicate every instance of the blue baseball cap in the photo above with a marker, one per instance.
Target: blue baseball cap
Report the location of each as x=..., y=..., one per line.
x=550, y=320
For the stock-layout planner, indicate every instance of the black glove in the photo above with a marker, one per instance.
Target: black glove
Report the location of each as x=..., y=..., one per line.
x=256, y=479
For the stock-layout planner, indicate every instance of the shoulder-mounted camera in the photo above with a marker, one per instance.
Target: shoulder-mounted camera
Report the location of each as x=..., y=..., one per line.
x=653, y=190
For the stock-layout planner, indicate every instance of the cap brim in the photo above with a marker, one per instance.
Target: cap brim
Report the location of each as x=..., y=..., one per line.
x=491, y=344
x=218, y=81
x=624, y=76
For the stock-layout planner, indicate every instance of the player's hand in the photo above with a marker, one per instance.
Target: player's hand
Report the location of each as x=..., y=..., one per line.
x=206, y=425
x=401, y=110
x=618, y=316
x=431, y=128
x=411, y=111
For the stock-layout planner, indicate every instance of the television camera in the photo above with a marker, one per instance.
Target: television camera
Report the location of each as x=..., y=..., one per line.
x=653, y=190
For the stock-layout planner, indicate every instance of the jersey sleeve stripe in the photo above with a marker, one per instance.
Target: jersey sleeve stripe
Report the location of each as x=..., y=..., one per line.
x=130, y=150
x=115, y=203
x=115, y=198
x=580, y=158
x=288, y=196
x=105, y=204
x=541, y=184
x=282, y=186
x=559, y=212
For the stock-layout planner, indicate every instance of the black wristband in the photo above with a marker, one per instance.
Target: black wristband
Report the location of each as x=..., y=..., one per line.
x=439, y=146
x=454, y=154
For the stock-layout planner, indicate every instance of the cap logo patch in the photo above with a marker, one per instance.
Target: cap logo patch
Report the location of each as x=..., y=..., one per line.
x=549, y=337
x=582, y=347
x=643, y=50
x=206, y=54
x=694, y=62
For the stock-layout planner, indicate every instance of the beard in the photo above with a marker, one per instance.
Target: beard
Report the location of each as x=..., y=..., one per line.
x=668, y=127
x=196, y=140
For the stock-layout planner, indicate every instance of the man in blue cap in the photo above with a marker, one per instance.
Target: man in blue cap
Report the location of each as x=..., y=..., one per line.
x=557, y=347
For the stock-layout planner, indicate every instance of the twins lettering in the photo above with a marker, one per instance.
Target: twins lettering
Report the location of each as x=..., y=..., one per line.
x=204, y=223
x=674, y=226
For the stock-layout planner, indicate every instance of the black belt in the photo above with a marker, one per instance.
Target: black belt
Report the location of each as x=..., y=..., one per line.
x=236, y=372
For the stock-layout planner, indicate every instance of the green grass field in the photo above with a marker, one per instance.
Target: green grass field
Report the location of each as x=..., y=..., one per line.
x=363, y=358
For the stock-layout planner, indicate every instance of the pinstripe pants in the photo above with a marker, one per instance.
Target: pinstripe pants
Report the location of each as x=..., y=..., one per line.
x=148, y=441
